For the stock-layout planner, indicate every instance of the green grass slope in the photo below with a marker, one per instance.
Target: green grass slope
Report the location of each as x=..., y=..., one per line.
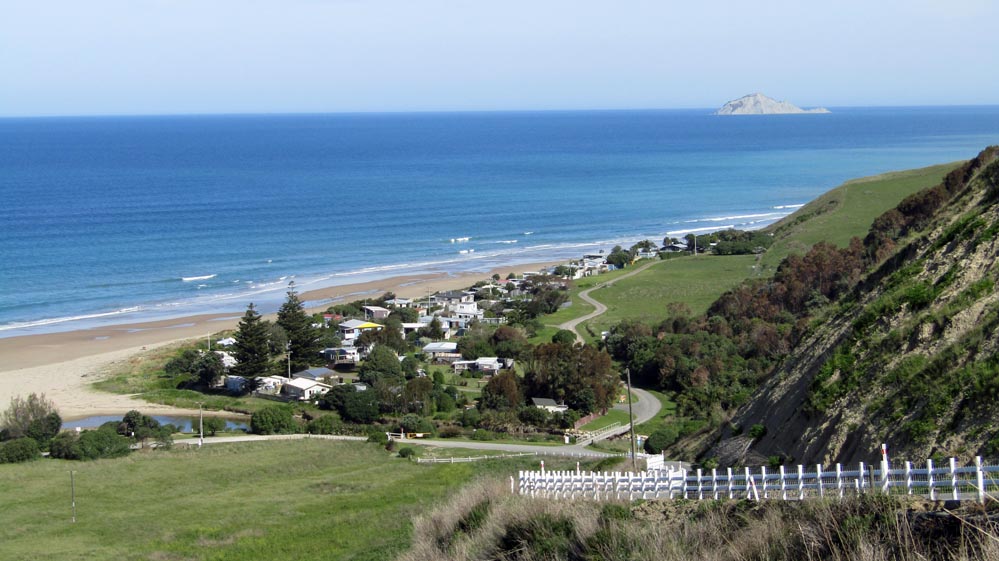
x=307, y=500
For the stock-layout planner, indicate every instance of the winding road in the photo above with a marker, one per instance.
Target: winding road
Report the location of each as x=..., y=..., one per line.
x=599, y=307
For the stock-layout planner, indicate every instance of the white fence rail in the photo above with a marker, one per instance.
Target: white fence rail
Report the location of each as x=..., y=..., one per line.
x=936, y=482
x=470, y=458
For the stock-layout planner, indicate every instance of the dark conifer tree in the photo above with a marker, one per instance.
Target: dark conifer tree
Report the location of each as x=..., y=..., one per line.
x=251, y=351
x=303, y=339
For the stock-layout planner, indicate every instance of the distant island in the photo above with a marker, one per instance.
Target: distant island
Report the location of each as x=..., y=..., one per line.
x=759, y=104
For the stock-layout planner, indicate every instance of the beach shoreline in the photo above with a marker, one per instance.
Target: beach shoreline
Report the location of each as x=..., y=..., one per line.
x=64, y=365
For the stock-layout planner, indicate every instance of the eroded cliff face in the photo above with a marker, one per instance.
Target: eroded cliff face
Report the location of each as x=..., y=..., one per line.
x=910, y=358
x=759, y=104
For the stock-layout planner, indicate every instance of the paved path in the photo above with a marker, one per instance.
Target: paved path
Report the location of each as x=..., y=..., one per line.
x=600, y=308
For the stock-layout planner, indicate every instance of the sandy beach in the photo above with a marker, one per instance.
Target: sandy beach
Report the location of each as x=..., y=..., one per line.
x=63, y=365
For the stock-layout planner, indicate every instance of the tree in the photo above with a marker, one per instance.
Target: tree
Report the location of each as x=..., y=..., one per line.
x=214, y=425
x=303, y=339
x=381, y=363
x=433, y=330
x=276, y=419
x=209, y=369
x=19, y=450
x=44, y=429
x=564, y=337
x=23, y=411
x=410, y=366
x=360, y=407
x=503, y=392
x=251, y=351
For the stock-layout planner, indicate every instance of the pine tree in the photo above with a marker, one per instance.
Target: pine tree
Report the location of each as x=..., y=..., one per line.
x=303, y=339
x=251, y=351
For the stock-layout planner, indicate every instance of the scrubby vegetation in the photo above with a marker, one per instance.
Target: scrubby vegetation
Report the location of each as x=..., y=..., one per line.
x=486, y=522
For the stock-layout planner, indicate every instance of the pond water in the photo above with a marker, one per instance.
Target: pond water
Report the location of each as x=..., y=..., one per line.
x=184, y=423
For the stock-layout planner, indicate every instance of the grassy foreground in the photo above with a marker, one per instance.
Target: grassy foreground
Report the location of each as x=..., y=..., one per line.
x=303, y=499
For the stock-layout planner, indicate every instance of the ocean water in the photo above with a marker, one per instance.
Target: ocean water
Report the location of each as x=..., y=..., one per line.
x=121, y=219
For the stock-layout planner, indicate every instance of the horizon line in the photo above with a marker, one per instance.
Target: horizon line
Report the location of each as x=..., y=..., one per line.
x=443, y=111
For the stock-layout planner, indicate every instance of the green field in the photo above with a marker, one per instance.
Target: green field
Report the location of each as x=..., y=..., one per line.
x=287, y=500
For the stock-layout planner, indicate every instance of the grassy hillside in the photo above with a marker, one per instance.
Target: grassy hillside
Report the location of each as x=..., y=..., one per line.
x=835, y=217
x=289, y=500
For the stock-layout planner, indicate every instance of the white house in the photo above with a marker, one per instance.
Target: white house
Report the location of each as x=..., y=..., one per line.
x=352, y=329
x=548, y=405
x=228, y=361
x=453, y=297
x=399, y=302
x=305, y=389
x=316, y=373
x=486, y=365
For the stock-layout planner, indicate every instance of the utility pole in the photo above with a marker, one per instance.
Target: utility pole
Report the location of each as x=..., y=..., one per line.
x=631, y=417
x=201, y=424
x=72, y=492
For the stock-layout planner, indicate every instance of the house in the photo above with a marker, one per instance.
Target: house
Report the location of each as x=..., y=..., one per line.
x=234, y=383
x=352, y=329
x=376, y=312
x=408, y=328
x=675, y=247
x=228, y=361
x=272, y=384
x=443, y=351
x=466, y=311
x=317, y=373
x=305, y=389
x=399, y=303
x=453, y=297
x=486, y=365
x=341, y=355
x=548, y=405
x=227, y=342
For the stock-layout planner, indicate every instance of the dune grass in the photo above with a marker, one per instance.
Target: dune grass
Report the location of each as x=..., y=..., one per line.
x=283, y=500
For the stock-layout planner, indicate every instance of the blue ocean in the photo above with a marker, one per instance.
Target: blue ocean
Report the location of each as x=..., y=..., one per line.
x=121, y=219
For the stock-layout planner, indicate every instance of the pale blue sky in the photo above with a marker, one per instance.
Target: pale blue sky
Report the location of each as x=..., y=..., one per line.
x=73, y=57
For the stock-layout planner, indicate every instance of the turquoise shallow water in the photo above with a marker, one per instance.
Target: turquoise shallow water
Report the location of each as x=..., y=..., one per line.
x=134, y=218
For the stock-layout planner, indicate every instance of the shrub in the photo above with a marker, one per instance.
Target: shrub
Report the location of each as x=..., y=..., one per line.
x=482, y=434
x=757, y=430
x=407, y=452
x=19, y=450
x=661, y=438
x=214, y=425
x=101, y=443
x=378, y=437
x=273, y=420
x=415, y=423
x=450, y=431
x=45, y=428
x=327, y=424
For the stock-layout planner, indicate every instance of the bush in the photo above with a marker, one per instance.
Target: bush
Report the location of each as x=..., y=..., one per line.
x=408, y=452
x=19, y=450
x=378, y=437
x=661, y=438
x=327, y=424
x=757, y=431
x=89, y=445
x=273, y=420
x=214, y=425
x=44, y=429
x=450, y=431
x=482, y=434
x=415, y=423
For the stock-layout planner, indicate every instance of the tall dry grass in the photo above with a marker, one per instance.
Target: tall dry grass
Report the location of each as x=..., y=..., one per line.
x=487, y=522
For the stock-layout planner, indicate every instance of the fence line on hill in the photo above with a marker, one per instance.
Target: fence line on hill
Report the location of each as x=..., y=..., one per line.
x=947, y=482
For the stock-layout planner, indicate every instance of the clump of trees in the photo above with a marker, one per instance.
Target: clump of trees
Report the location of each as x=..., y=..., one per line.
x=27, y=427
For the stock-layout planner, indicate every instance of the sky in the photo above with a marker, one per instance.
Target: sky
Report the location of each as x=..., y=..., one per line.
x=101, y=57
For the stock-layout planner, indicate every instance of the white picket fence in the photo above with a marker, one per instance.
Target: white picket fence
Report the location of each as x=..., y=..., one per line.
x=949, y=481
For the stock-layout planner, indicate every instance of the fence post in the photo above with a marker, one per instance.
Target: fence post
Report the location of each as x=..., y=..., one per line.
x=783, y=484
x=861, y=476
x=929, y=479
x=512, y=488
x=763, y=474
x=700, y=489
x=684, y=489
x=748, y=480
x=980, y=479
x=908, y=478
x=714, y=484
x=885, y=470
x=801, y=482
x=729, y=472
x=955, y=489
x=818, y=478
x=839, y=479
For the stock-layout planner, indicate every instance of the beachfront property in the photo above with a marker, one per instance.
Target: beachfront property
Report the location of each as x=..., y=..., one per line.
x=304, y=389
x=453, y=297
x=352, y=329
x=399, y=303
x=376, y=312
